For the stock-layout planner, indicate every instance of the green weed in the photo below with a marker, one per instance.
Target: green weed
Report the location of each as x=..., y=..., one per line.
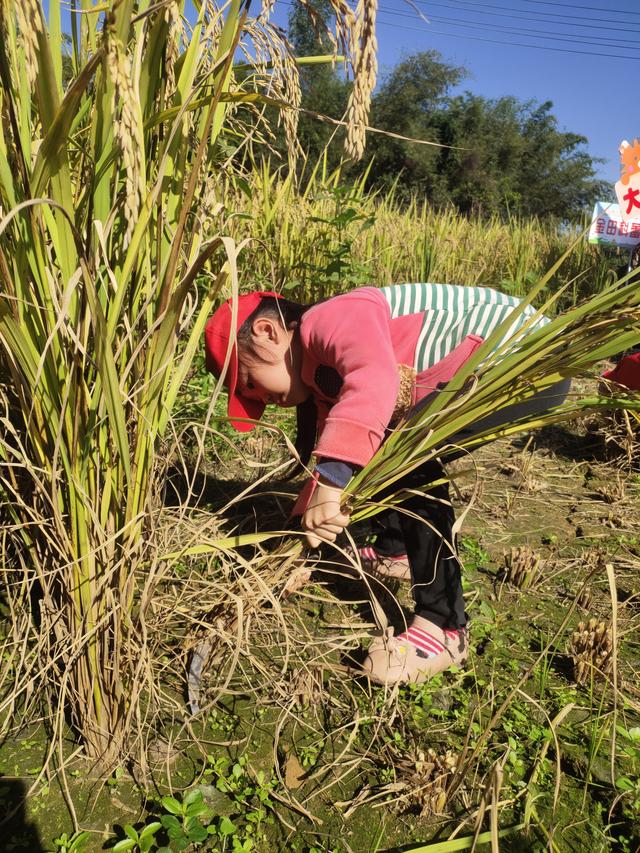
x=74, y=843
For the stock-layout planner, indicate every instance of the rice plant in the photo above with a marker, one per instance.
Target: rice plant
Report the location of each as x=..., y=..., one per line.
x=111, y=159
x=328, y=233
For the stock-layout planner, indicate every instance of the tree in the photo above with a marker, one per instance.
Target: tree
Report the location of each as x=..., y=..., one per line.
x=323, y=89
x=409, y=102
x=509, y=155
x=500, y=155
x=558, y=175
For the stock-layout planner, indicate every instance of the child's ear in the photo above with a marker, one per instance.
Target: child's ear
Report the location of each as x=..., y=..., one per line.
x=266, y=330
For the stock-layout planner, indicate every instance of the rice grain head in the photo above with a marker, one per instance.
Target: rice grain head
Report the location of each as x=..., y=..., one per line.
x=365, y=72
x=126, y=127
x=267, y=9
x=29, y=17
x=290, y=81
x=320, y=25
x=273, y=51
x=346, y=26
x=172, y=49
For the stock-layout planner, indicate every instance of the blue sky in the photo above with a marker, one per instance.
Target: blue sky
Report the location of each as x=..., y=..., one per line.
x=585, y=57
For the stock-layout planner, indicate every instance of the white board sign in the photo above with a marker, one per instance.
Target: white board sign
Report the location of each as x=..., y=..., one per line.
x=608, y=226
x=629, y=197
x=628, y=187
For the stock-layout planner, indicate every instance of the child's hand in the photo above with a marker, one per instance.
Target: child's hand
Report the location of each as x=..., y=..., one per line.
x=323, y=519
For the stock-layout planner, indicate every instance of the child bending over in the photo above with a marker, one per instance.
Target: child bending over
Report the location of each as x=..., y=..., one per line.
x=360, y=362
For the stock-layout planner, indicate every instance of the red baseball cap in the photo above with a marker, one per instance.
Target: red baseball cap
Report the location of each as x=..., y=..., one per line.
x=217, y=334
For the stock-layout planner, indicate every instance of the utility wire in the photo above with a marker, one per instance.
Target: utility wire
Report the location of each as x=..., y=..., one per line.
x=584, y=8
x=431, y=30
x=434, y=31
x=553, y=35
x=522, y=15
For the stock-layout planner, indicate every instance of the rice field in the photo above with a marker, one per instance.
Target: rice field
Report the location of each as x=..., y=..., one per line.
x=326, y=236
x=161, y=687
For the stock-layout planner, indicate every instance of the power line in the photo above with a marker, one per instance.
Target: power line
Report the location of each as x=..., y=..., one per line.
x=513, y=43
x=522, y=15
x=585, y=8
x=553, y=35
x=561, y=6
x=431, y=30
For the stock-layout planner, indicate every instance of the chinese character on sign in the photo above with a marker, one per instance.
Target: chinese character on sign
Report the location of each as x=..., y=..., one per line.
x=609, y=226
x=628, y=187
x=631, y=197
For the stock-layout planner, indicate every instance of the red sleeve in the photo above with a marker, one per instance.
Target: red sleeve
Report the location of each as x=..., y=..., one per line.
x=351, y=333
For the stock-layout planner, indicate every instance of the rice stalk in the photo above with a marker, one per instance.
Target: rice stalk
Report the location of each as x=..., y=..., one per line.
x=591, y=650
x=523, y=567
x=104, y=292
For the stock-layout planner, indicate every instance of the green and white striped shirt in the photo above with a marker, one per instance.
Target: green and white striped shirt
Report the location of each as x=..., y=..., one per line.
x=451, y=312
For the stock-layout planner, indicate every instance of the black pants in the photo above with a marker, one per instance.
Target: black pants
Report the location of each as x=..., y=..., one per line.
x=422, y=527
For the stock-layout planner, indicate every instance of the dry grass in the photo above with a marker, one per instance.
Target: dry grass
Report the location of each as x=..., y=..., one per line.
x=621, y=433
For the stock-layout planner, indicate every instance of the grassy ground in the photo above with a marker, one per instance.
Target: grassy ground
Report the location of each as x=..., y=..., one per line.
x=294, y=754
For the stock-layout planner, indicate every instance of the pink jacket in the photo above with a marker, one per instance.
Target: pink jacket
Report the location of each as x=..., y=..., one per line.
x=354, y=334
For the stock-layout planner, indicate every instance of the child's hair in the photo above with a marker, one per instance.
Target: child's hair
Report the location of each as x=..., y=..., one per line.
x=288, y=314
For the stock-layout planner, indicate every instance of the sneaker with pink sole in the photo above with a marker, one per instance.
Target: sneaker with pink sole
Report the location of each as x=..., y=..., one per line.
x=376, y=564
x=415, y=655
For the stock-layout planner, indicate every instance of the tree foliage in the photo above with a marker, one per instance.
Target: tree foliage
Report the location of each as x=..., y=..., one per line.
x=499, y=156
x=502, y=155
x=324, y=90
x=410, y=102
x=510, y=155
